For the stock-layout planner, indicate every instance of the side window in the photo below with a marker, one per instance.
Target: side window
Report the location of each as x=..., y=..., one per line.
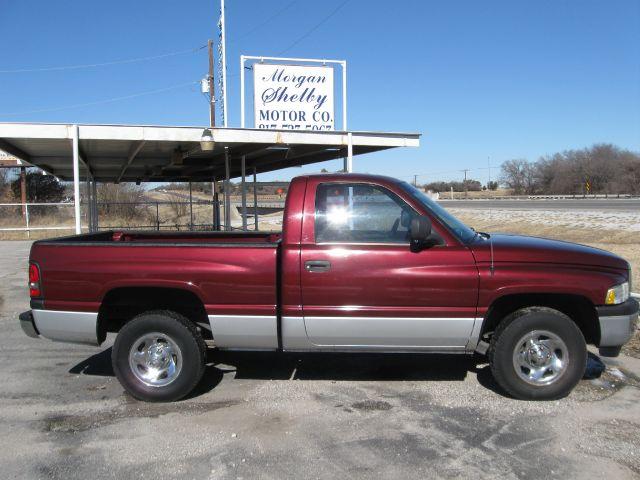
x=360, y=213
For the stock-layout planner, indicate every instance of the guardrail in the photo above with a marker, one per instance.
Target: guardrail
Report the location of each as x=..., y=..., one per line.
x=623, y=196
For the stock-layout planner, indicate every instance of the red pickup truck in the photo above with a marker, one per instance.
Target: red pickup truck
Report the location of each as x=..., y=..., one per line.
x=363, y=264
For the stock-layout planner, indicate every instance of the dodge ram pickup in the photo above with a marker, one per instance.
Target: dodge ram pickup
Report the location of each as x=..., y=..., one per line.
x=364, y=263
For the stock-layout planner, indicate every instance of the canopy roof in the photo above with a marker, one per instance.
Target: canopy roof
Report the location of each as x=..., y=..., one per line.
x=125, y=153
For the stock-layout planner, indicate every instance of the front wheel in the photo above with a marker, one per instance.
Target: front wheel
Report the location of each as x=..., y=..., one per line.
x=538, y=354
x=159, y=356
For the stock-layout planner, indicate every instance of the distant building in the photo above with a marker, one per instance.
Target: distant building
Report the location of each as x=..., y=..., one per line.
x=7, y=160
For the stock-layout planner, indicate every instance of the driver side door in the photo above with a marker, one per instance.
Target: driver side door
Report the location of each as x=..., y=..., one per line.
x=362, y=287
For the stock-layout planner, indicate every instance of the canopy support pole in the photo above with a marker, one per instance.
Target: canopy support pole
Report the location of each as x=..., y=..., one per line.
x=23, y=190
x=244, y=193
x=94, y=189
x=255, y=198
x=216, y=205
x=348, y=161
x=213, y=203
x=190, y=206
x=227, y=194
x=76, y=179
x=89, y=200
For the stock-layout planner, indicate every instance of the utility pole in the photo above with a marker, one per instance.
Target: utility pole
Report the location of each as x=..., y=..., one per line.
x=212, y=88
x=489, y=166
x=415, y=180
x=223, y=63
x=466, y=193
x=212, y=122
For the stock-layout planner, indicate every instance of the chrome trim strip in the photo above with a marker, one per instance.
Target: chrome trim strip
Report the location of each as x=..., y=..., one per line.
x=71, y=327
x=250, y=332
x=384, y=333
x=383, y=244
x=379, y=349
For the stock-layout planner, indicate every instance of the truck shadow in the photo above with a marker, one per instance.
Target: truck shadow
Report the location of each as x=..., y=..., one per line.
x=330, y=366
x=316, y=366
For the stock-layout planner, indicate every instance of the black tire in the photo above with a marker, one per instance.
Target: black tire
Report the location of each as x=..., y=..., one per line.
x=183, y=333
x=507, y=339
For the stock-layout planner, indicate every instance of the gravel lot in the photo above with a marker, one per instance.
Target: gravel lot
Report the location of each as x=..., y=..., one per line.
x=63, y=415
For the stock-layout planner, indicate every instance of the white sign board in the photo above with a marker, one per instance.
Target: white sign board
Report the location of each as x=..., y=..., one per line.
x=297, y=97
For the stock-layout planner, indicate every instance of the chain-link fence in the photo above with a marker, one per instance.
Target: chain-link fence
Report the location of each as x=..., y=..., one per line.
x=42, y=220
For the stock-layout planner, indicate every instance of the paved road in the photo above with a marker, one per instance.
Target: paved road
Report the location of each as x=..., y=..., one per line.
x=625, y=204
x=583, y=204
x=63, y=415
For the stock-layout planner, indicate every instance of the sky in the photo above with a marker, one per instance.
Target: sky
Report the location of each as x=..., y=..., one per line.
x=482, y=81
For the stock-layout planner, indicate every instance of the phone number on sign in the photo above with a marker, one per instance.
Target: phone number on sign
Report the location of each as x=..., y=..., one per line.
x=290, y=126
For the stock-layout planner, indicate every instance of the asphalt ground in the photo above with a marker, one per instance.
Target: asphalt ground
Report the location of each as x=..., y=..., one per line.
x=63, y=415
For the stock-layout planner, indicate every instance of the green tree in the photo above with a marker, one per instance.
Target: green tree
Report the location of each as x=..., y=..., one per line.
x=40, y=189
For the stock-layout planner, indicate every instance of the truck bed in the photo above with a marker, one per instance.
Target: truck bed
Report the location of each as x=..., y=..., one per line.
x=230, y=273
x=125, y=237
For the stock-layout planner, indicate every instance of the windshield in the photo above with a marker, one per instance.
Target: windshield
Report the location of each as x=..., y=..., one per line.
x=463, y=232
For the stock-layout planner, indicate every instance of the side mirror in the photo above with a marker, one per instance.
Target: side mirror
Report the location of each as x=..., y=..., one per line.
x=419, y=232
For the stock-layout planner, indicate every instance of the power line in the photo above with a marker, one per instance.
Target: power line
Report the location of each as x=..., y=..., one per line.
x=266, y=22
x=313, y=29
x=309, y=32
x=104, y=64
x=459, y=170
x=100, y=102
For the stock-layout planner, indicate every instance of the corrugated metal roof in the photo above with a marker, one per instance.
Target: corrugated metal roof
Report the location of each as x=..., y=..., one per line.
x=157, y=153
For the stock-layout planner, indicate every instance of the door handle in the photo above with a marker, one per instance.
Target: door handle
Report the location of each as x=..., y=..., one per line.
x=317, y=265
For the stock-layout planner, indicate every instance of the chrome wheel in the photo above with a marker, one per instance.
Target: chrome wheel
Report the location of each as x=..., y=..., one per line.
x=540, y=357
x=155, y=359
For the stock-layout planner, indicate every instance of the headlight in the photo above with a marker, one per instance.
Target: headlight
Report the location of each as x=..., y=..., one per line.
x=617, y=294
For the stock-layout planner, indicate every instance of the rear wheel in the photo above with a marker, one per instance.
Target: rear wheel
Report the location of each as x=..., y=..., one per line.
x=538, y=354
x=159, y=356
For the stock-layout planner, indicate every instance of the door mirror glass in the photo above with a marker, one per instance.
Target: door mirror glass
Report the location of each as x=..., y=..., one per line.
x=420, y=232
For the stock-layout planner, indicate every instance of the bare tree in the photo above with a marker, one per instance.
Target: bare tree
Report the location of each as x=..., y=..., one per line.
x=178, y=206
x=602, y=168
x=517, y=175
x=121, y=200
x=4, y=182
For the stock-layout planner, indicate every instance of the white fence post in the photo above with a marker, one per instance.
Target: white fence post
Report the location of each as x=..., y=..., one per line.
x=26, y=217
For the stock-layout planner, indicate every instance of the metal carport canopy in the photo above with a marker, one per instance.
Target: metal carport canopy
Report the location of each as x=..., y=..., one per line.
x=134, y=153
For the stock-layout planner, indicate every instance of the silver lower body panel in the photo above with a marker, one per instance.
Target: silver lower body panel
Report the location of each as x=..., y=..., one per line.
x=390, y=333
x=617, y=330
x=245, y=332
x=378, y=334
x=71, y=327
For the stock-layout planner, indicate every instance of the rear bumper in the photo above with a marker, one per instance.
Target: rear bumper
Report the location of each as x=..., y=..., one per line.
x=617, y=323
x=28, y=325
x=71, y=327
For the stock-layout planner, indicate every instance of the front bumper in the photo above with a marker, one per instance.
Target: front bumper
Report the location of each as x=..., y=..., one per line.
x=617, y=324
x=28, y=325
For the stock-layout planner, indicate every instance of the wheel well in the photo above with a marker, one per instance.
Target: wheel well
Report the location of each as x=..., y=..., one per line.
x=122, y=304
x=576, y=307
